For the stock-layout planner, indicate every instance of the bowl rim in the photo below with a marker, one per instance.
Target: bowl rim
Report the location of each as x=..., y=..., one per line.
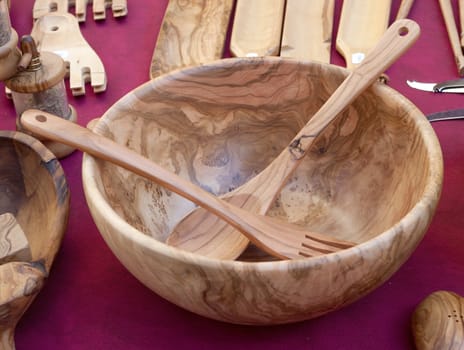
x=429, y=197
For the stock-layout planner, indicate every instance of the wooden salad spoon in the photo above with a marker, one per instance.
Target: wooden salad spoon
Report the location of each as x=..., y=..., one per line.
x=277, y=238
x=204, y=234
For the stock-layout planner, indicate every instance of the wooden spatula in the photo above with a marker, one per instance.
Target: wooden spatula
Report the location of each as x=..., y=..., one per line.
x=307, y=33
x=362, y=23
x=257, y=28
x=200, y=232
x=438, y=322
x=192, y=32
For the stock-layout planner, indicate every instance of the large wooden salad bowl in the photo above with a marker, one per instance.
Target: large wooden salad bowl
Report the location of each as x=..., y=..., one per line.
x=373, y=177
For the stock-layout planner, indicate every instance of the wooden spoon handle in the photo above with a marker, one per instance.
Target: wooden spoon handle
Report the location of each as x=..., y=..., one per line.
x=396, y=40
x=404, y=9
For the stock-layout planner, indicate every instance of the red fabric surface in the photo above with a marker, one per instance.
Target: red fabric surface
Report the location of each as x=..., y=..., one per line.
x=91, y=302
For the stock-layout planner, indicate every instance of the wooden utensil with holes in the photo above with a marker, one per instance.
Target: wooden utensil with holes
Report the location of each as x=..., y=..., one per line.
x=362, y=23
x=438, y=322
x=200, y=232
x=257, y=28
x=192, y=32
x=278, y=238
x=307, y=33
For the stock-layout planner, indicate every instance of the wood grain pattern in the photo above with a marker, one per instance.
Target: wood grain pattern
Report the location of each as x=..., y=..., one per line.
x=257, y=28
x=438, y=322
x=362, y=23
x=13, y=241
x=307, y=33
x=453, y=35
x=360, y=181
x=192, y=32
x=199, y=233
x=33, y=188
x=277, y=238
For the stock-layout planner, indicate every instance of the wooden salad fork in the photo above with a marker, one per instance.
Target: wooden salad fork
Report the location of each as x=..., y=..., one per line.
x=278, y=238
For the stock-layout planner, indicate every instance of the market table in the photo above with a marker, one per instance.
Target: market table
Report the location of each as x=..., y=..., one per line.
x=91, y=302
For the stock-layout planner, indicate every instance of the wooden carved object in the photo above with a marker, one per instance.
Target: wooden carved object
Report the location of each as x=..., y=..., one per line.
x=257, y=28
x=453, y=35
x=33, y=189
x=307, y=33
x=438, y=322
x=362, y=23
x=42, y=7
x=192, y=32
x=200, y=233
x=14, y=245
x=60, y=33
x=359, y=182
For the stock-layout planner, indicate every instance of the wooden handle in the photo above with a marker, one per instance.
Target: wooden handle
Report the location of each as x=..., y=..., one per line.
x=257, y=28
x=404, y=9
x=397, y=39
x=461, y=20
x=453, y=35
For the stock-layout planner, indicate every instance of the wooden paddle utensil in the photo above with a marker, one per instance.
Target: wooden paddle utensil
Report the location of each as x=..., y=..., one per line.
x=257, y=28
x=278, y=238
x=192, y=32
x=202, y=233
x=307, y=33
x=362, y=23
x=438, y=322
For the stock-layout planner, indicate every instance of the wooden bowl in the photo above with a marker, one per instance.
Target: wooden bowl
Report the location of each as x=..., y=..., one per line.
x=373, y=177
x=33, y=189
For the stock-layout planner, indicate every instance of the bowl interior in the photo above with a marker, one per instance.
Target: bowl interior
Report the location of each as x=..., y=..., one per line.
x=221, y=124
x=33, y=188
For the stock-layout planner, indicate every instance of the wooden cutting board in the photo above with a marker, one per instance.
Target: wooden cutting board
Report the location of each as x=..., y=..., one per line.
x=307, y=33
x=257, y=28
x=192, y=32
x=362, y=23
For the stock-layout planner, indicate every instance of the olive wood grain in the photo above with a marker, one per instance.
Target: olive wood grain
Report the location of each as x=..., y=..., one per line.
x=362, y=23
x=278, y=238
x=201, y=233
x=192, y=32
x=14, y=245
x=438, y=322
x=24, y=281
x=257, y=28
x=34, y=190
x=219, y=124
x=307, y=33
x=453, y=35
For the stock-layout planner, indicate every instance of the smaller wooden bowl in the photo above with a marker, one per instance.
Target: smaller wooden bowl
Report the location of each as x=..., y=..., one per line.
x=372, y=177
x=34, y=190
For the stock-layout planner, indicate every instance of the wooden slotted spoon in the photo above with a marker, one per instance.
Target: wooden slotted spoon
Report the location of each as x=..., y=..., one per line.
x=204, y=234
x=278, y=238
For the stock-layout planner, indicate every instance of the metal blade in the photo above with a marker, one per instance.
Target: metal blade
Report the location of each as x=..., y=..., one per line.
x=446, y=115
x=450, y=86
x=421, y=86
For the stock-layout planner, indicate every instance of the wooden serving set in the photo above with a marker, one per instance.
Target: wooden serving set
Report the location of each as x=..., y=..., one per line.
x=192, y=33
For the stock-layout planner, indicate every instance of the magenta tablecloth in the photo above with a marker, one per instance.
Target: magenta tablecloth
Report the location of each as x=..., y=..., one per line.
x=91, y=302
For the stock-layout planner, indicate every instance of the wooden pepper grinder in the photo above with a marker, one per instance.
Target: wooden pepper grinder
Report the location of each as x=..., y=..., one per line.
x=39, y=84
x=9, y=53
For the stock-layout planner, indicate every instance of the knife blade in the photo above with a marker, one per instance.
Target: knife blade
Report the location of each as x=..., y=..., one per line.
x=446, y=115
x=449, y=86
